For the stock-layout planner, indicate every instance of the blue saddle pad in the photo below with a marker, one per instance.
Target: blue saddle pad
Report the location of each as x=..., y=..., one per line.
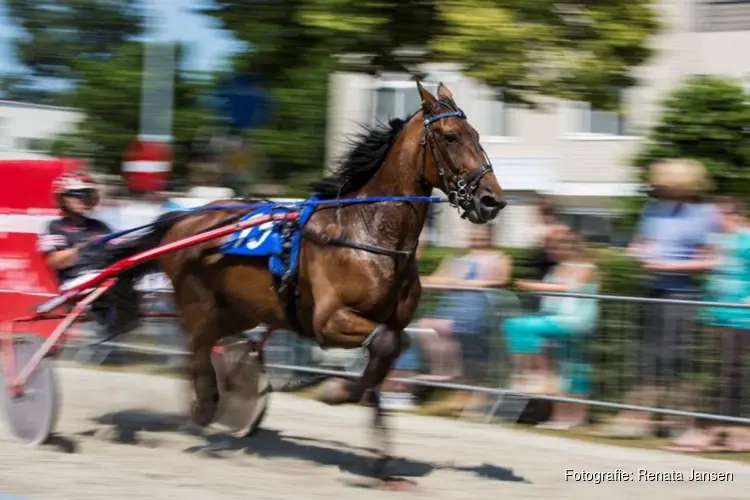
x=267, y=239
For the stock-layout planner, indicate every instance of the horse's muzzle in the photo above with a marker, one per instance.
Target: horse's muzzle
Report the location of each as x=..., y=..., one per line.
x=487, y=204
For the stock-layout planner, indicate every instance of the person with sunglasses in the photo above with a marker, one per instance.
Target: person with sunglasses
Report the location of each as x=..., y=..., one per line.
x=66, y=248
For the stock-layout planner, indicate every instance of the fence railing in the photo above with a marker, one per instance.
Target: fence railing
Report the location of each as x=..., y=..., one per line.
x=618, y=354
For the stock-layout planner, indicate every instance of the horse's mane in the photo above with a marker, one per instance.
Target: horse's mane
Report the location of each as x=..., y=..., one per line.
x=368, y=151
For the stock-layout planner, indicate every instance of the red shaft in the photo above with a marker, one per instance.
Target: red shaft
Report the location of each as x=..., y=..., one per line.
x=156, y=252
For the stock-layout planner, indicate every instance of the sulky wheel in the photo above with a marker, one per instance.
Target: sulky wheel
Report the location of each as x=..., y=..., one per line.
x=244, y=387
x=30, y=418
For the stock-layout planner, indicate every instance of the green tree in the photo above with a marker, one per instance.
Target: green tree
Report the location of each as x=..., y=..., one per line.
x=294, y=140
x=705, y=119
x=109, y=96
x=59, y=35
x=578, y=50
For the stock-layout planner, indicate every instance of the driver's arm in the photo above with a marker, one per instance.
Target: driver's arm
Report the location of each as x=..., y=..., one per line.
x=62, y=259
x=56, y=249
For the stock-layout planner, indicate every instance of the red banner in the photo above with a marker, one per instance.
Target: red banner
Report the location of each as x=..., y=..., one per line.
x=26, y=205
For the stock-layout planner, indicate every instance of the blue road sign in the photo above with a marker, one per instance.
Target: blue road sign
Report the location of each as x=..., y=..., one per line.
x=243, y=102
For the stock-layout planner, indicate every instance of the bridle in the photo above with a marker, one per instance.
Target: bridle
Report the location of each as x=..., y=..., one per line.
x=461, y=194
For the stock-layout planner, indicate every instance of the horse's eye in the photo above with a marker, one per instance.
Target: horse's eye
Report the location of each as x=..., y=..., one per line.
x=451, y=138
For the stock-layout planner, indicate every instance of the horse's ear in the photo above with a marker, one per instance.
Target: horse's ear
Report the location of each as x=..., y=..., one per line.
x=444, y=94
x=428, y=100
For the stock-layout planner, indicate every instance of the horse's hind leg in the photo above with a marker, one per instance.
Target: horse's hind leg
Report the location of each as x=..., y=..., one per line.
x=206, y=324
x=203, y=333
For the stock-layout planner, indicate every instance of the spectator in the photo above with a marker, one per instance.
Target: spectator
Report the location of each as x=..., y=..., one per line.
x=728, y=282
x=541, y=260
x=563, y=323
x=670, y=243
x=460, y=318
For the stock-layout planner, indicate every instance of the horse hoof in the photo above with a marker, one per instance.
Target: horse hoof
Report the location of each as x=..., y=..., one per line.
x=202, y=416
x=333, y=392
x=193, y=429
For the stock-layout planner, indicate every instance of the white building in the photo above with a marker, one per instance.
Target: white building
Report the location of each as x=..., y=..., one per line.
x=576, y=154
x=26, y=128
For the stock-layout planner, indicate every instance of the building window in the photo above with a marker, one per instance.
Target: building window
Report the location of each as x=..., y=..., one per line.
x=498, y=120
x=722, y=15
x=591, y=121
x=594, y=226
x=397, y=99
x=30, y=144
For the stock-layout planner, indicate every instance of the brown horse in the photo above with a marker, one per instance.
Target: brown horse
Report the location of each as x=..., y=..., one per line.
x=357, y=282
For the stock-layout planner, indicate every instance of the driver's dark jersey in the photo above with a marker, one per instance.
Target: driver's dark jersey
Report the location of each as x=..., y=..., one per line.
x=65, y=233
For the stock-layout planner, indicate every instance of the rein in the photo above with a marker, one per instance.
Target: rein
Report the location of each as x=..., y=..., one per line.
x=251, y=206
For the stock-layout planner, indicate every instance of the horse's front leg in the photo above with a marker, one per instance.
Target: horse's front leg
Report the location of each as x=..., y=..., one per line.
x=384, y=346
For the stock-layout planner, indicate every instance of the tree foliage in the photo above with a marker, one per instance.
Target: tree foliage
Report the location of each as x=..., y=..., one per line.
x=295, y=137
x=82, y=54
x=577, y=50
x=705, y=119
x=60, y=34
x=109, y=94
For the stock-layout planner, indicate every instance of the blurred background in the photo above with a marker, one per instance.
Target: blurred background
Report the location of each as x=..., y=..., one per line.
x=171, y=103
x=260, y=96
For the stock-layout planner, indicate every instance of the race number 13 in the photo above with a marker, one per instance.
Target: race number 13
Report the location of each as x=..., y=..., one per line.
x=262, y=234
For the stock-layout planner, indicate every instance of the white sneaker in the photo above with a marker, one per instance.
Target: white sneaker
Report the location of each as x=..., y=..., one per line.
x=397, y=401
x=407, y=403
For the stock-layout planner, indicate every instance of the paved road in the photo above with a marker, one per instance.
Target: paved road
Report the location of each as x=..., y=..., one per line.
x=124, y=429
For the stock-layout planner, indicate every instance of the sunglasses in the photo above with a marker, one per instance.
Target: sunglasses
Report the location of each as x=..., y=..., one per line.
x=80, y=194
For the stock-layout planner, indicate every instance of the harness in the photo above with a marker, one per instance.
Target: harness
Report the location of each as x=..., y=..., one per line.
x=460, y=196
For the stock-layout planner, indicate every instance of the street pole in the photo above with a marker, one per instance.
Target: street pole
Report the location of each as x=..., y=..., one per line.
x=157, y=92
x=148, y=160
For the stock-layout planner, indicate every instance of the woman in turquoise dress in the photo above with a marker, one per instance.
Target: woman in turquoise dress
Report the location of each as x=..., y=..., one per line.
x=563, y=323
x=728, y=282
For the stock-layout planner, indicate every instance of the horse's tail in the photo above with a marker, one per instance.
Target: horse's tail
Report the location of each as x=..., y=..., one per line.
x=151, y=237
x=123, y=295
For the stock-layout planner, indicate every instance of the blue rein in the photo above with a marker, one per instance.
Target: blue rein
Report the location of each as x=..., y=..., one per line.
x=291, y=205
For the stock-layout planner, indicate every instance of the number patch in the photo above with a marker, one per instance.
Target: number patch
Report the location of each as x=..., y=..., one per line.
x=253, y=237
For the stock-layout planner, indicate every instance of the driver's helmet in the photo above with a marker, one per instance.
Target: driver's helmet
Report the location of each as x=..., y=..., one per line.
x=79, y=185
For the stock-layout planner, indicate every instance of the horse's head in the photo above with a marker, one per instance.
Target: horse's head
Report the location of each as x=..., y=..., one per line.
x=456, y=162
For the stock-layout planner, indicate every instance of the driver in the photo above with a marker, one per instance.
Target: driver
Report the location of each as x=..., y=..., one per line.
x=65, y=249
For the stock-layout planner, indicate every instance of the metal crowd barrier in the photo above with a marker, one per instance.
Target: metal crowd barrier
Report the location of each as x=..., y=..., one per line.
x=613, y=351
